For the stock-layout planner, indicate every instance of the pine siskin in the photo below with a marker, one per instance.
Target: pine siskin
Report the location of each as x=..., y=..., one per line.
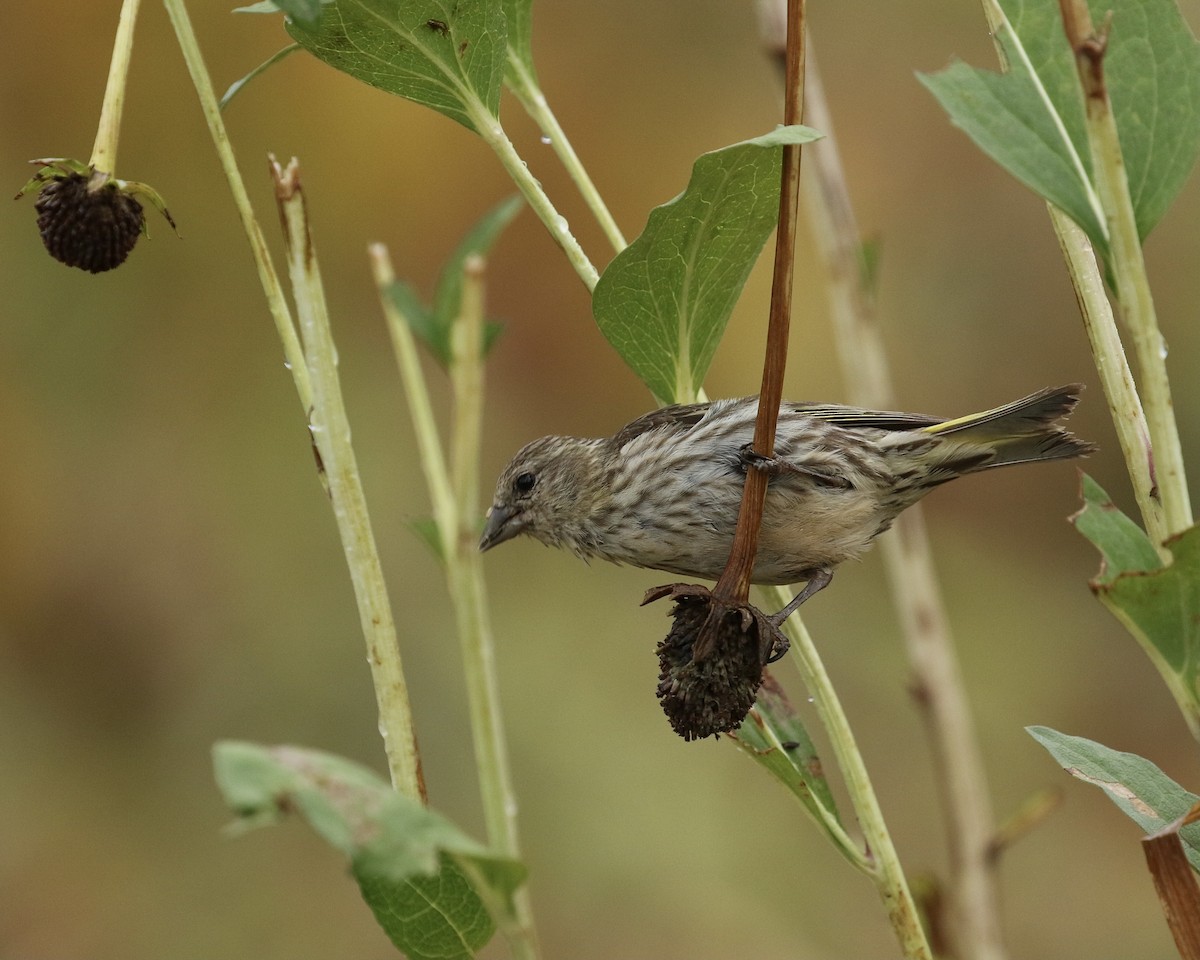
x=664, y=492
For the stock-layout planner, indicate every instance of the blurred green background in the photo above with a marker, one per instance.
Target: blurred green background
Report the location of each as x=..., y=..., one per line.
x=170, y=574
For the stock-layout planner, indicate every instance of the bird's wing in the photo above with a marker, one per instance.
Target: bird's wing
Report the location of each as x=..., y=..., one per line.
x=856, y=417
x=679, y=416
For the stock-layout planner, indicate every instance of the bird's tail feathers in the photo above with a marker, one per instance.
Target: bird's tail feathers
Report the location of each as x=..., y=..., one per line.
x=1022, y=431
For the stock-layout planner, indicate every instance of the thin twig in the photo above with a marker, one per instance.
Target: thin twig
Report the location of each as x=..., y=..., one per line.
x=735, y=578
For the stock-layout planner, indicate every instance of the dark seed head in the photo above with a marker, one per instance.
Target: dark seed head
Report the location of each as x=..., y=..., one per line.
x=710, y=694
x=90, y=229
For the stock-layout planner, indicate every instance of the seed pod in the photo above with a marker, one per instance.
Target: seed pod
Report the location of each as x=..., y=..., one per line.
x=93, y=228
x=711, y=661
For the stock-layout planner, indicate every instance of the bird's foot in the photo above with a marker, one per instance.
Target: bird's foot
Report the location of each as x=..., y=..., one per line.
x=818, y=580
x=751, y=459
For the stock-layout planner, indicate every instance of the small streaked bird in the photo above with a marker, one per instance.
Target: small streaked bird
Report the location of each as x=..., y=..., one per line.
x=664, y=492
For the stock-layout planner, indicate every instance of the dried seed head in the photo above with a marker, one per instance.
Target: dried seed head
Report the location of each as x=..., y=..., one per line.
x=90, y=229
x=711, y=661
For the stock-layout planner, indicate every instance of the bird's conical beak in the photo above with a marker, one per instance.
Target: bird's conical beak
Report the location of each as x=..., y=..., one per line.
x=498, y=527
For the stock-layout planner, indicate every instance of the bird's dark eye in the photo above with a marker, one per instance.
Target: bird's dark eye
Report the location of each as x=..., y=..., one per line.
x=525, y=483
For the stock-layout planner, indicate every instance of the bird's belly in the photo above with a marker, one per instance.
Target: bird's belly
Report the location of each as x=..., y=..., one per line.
x=800, y=532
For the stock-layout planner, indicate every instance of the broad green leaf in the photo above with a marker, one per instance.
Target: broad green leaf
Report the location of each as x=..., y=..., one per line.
x=664, y=301
x=414, y=913
x=1152, y=70
x=773, y=736
x=520, y=35
x=1142, y=791
x=448, y=56
x=434, y=326
x=1159, y=605
x=435, y=891
x=1010, y=119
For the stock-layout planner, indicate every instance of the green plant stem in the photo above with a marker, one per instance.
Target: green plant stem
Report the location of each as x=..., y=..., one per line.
x=533, y=100
x=1115, y=376
x=1129, y=266
x=466, y=570
x=292, y=352
x=416, y=392
x=455, y=503
x=493, y=134
x=331, y=433
x=823, y=816
x=973, y=921
x=466, y=379
x=104, y=151
x=887, y=873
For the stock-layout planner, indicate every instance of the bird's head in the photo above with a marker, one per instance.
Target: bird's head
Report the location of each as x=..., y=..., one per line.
x=544, y=492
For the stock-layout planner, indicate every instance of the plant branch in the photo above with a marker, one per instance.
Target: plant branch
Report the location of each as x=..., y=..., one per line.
x=735, y=578
x=493, y=134
x=937, y=684
x=104, y=151
x=886, y=872
x=533, y=100
x=1124, y=404
x=331, y=435
x=1128, y=264
x=454, y=495
x=282, y=315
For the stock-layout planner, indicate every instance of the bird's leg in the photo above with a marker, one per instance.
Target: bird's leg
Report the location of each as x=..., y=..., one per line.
x=777, y=467
x=818, y=580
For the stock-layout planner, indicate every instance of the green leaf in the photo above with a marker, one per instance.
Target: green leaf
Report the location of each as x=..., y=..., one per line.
x=773, y=736
x=447, y=297
x=1140, y=789
x=238, y=85
x=1159, y=605
x=1121, y=542
x=1031, y=120
x=415, y=913
x=262, y=6
x=1010, y=119
x=520, y=33
x=664, y=301
x=1153, y=73
x=434, y=326
x=307, y=12
x=448, y=56
x=435, y=891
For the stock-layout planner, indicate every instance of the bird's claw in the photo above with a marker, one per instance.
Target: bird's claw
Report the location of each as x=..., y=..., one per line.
x=773, y=467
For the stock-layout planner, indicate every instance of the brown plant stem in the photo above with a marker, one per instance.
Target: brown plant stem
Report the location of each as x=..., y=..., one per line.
x=734, y=583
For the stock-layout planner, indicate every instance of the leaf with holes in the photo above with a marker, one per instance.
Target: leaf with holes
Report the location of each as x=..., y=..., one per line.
x=436, y=892
x=1159, y=605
